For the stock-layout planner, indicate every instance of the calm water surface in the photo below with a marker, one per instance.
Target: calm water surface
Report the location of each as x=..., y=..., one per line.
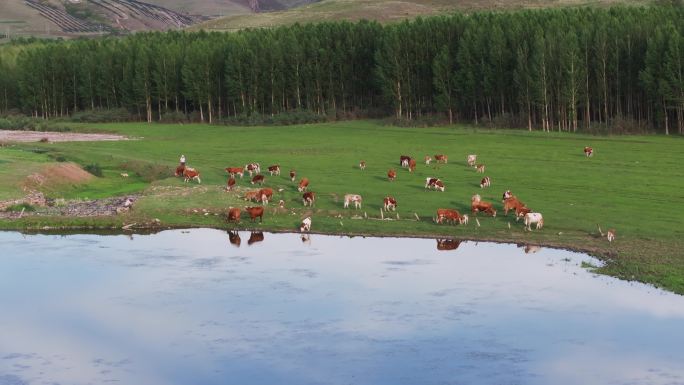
x=189, y=307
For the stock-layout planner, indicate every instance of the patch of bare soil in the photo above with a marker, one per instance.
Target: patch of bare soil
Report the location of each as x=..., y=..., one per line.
x=54, y=175
x=48, y=136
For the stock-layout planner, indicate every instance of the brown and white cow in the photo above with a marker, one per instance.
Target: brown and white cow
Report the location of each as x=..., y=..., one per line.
x=252, y=195
x=610, y=235
x=471, y=159
x=434, y=183
x=293, y=175
x=234, y=238
x=390, y=204
x=477, y=205
x=258, y=179
x=391, y=175
x=308, y=198
x=179, y=170
x=253, y=168
x=303, y=185
x=353, y=198
x=485, y=182
x=232, y=171
x=412, y=165
x=428, y=159
x=305, y=226
x=254, y=237
x=191, y=174
x=234, y=214
x=588, y=151
x=512, y=203
x=265, y=195
x=255, y=212
x=533, y=218
x=450, y=215
x=362, y=165
x=230, y=184
x=404, y=160
x=520, y=212
x=441, y=158
x=274, y=169
x=507, y=194
x=448, y=244
x=480, y=168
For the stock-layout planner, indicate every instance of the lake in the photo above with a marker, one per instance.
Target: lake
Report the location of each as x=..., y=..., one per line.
x=190, y=307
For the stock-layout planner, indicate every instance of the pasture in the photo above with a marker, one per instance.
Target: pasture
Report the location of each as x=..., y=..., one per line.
x=632, y=183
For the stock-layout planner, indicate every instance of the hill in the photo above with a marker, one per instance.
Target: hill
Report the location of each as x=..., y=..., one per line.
x=385, y=11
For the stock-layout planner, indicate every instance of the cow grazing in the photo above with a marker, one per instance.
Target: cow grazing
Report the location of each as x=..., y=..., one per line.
x=391, y=175
x=588, y=151
x=533, y=218
x=353, y=198
x=477, y=205
x=303, y=185
x=512, y=203
x=254, y=237
x=305, y=225
x=520, y=212
x=234, y=214
x=448, y=244
x=264, y=195
x=258, y=179
x=255, y=212
x=191, y=174
x=179, y=170
x=441, y=159
x=362, y=165
x=309, y=198
x=230, y=184
x=485, y=182
x=124, y=175
x=234, y=238
x=428, y=159
x=471, y=159
x=412, y=165
x=450, y=215
x=293, y=174
x=390, y=204
x=253, y=168
x=480, y=168
x=434, y=183
x=252, y=195
x=274, y=170
x=610, y=235
x=233, y=171
x=404, y=160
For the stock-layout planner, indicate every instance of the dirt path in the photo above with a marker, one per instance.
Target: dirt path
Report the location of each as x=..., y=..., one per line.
x=37, y=136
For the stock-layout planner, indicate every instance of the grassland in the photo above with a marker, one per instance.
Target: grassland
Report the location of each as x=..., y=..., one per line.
x=633, y=184
x=385, y=11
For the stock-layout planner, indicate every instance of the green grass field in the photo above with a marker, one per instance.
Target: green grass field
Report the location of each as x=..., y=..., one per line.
x=634, y=184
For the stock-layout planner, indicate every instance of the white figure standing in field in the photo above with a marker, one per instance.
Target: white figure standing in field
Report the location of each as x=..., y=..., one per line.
x=182, y=160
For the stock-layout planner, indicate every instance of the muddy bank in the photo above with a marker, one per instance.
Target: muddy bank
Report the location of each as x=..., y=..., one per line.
x=75, y=209
x=38, y=136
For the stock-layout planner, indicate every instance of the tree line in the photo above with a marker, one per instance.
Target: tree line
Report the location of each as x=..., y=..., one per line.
x=554, y=69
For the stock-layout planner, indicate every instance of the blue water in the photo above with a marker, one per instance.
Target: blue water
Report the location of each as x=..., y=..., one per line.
x=188, y=307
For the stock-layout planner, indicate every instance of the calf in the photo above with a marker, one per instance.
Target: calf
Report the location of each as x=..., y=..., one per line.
x=428, y=159
x=611, y=235
x=588, y=151
x=531, y=218
x=255, y=212
x=254, y=237
x=434, y=183
x=480, y=168
x=390, y=204
x=230, y=183
x=362, y=165
x=293, y=174
x=308, y=198
x=253, y=168
x=232, y=171
x=234, y=214
x=258, y=179
x=190, y=174
x=404, y=160
x=353, y=198
x=448, y=244
x=252, y=195
x=264, y=195
x=441, y=159
x=485, y=182
x=412, y=165
x=303, y=185
x=306, y=225
x=391, y=175
x=274, y=170
x=471, y=159
x=450, y=215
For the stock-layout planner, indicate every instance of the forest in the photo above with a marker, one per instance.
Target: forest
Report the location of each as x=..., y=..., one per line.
x=556, y=69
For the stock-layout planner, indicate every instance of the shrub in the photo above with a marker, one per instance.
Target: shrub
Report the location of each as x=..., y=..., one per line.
x=94, y=168
x=174, y=117
x=103, y=116
x=20, y=207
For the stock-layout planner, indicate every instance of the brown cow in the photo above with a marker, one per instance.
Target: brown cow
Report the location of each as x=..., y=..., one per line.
x=252, y=195
x=264, y=195
x=255, y=212
x=179, y=170
x=520, y=212
x=308, y=198
x=412, y=165
x=258, y=179
x=234, y=238
x=404, y=160
x=190, y=174
x=512, y=203
x=390, y=204
x=234, y=214
x=232, y=171
x=485, y=207
x=293, y=174
x=391, y=175
x=448, y=244
x=303, y=185
x=254, y=237
x=362, y=165
x=230, y=183
x=450, y=215
x=588, y=151
x=274, y=170
x=441, y=158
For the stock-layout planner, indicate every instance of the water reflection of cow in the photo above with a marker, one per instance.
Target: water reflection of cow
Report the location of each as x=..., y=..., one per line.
x=255, y=236
x=448, y=244
x=234, y=238
x=529, y=249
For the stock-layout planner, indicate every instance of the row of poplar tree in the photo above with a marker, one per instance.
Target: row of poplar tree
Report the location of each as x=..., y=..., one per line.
x=556, y=69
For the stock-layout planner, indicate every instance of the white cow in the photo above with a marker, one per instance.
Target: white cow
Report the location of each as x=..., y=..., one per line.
x=306, y=225
x=355, y=198
x=531, y=218
x=472, y=159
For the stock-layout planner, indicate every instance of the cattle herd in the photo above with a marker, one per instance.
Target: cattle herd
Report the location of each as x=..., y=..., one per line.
x=444, y=215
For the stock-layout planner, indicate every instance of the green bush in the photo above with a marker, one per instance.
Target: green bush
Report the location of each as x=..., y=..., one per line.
x=282, y=119
x=20, y=207
x=103, y=116
x=94, y=169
